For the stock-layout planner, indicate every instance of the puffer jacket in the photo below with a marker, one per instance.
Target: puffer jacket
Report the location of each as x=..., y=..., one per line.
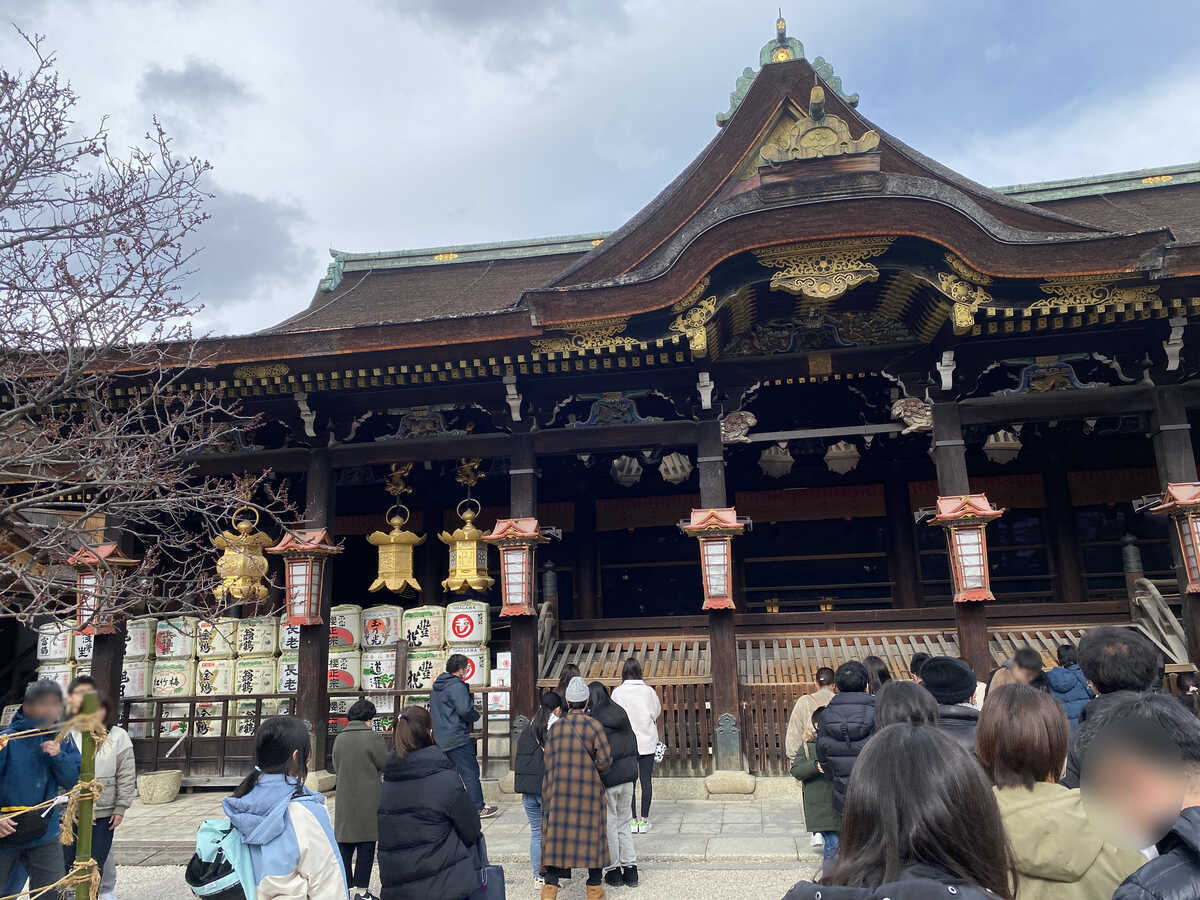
x=529, y=769
x=623, y=743
x=427, y=827
x=847, y=723
x=116, y=770
x=959, y=721
x=29, y=777
x=1175, y=874
x=1059, y=853
x=917, y=882
x=452, y=711
x=1069, y=686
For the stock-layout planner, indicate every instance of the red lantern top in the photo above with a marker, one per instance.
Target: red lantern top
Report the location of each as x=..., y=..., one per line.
x=101, y=555
x=714, y=523
x=1178, y=498
x=306, y=543
x=523, y=530
x=965, y=509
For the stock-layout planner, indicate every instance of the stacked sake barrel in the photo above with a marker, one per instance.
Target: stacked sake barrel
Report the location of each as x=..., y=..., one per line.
x=345, y=661
x=468, y=630
x=56, y=654
x=137, y=677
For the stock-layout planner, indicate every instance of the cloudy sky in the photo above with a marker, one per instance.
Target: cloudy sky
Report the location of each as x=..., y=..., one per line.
x=375, y=125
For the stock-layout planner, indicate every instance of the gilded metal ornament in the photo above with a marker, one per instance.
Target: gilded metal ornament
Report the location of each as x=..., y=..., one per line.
x=735, y=427
x=601, y=334
x=693, y=324
x=397, y=483
x=270, y=370
x=468, y=552
x=965, y=272
x=818, y=135
x=1088, y=291
x=467, y=472
x=915, y=413
x=967, y=298
x=242, y=564
x=824, y=270
x=396, y=553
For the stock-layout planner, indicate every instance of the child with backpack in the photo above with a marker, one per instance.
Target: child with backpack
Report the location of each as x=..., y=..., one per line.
x=278, y=841
x=819, y=814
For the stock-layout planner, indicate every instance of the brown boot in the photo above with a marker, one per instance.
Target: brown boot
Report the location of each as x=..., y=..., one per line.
x=595, y=892
x=549, y=892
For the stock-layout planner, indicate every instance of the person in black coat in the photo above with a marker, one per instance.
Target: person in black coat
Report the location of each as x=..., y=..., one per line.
x=846, y=724
x=428, y=826
x=952, y=684
x=618, y=784
x=529, y=771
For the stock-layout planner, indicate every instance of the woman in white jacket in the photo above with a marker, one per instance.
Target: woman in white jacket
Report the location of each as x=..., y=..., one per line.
x=641, y=704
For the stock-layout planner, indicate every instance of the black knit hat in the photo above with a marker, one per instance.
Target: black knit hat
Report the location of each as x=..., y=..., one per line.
x=949, y=680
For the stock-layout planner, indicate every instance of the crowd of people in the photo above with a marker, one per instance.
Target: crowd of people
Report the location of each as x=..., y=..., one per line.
x=1081, y=781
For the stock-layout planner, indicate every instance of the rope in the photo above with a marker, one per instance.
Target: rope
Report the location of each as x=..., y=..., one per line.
x=91, y=723
x=82, y=872
x=66, y=832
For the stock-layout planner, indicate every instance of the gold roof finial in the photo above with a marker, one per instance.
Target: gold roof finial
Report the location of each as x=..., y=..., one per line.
x=781, y=27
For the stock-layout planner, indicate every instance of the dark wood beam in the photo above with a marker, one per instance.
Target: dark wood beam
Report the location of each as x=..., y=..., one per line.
x=1084, y=404
x=523, y=502
x=903, y=561
x=312, y=696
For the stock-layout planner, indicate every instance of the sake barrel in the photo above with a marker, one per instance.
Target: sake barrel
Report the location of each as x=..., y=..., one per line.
x=418, y=700
x=83, y=647
x=173, y=678
x=257, y=637
x=424, y=626
x=215, y=638
x=378, y=671
x=288, y=678
x=289, y=635
x=207, y=722
x=338, y=708
x=384, y=705
x=143, y=710
x=139, y=637
x=467, y=622
x=83, y=668
x=175, y=638
x=381, y=626
x=254, y=675
x=345, y=670
x=345, y=627
x=55, y=643
x=136, y=678
x=172, y=722
x=245, y=725
x=214, y=677
x=60, y=674
x=383, y=724
x=478, y=666
x=10, y=711
x=424, y=666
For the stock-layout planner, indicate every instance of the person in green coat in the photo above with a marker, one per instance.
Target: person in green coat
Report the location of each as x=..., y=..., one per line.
x=819, y=814
x=359, y=757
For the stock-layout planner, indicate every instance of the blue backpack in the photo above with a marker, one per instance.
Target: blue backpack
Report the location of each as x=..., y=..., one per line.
x=220, y=869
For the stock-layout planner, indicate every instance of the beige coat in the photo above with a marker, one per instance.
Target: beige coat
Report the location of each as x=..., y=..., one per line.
x=1060, y=853
x=800, y=727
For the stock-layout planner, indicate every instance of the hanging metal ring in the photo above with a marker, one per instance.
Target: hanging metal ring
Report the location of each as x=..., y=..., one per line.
x=402, y=512
x=241, y=509
x=470, y=500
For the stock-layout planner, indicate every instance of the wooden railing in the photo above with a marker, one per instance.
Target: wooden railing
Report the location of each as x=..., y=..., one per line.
x=766, y=709
x=219, y=749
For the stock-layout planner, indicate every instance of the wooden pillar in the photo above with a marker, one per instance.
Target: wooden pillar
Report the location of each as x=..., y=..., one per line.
x=523, y=502
x=1062, y=538
x=722, y=634
x=1176, y=461
x=904, y=564
x=950, y=458
x=585, y=585
x=312, y=696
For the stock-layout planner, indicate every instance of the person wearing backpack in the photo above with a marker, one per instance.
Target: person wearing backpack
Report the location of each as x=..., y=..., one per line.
x=528, y=773
x=283, y=824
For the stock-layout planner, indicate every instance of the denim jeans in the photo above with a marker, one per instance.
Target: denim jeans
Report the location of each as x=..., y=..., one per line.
x=102, y=840
x=533, y=811
x=44, y=863
x=467, y=763
x=831, y=849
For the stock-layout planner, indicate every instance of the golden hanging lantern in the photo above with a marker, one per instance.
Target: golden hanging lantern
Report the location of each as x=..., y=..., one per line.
x=242, y=564
x=396, y=553
x=468, y=552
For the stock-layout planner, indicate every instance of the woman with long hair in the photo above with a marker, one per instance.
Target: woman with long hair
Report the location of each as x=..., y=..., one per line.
x=905, y=702
x=570, y=670
x=428, y=826
x=641, y=704
x=1060, y=854
x=618, y=782
x=877, y=673
x=285, y=825
x=529, y=772
x=920, y=820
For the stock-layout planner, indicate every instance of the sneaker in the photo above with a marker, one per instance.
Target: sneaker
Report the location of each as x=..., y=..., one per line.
x=629, y=876
x=613, y=877
x=635, y=826
x=817, y=840
x=538, y=881
x=488, y=811
x=645, y=826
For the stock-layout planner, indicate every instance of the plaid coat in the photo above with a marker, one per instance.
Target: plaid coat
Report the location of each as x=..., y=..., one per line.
x=574, y=827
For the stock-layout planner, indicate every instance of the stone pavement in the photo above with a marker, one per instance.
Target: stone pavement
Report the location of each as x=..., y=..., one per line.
x=747, y=831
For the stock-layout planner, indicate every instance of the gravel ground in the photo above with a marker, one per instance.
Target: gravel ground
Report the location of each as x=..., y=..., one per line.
x=695, y=881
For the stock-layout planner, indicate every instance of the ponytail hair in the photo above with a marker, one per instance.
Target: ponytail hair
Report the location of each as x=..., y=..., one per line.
x=541, y=718
x=282, y=746
x=413, y=730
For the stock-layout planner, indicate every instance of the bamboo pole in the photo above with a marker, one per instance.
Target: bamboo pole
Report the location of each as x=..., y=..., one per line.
x=87, y=772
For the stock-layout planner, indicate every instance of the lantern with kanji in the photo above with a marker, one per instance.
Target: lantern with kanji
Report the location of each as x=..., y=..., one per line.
x=1182, y=503
x=715, y=529
x=242, y=564
x=516, y=539
x=96, y=574
x=396, y=553
x=305, y=555
x=468, y=552
x=965, y=516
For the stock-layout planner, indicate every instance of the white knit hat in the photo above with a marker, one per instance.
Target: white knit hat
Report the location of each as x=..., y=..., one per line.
x=577, y=690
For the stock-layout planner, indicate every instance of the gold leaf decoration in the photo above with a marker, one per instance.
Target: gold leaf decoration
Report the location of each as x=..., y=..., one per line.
x=271, y=370
x=601, y=334
x=1088, y=291
x=967, y=299
x=817, y=136
x=693, y=325
x=965, y=272
x=690, y=298
x=824, y=270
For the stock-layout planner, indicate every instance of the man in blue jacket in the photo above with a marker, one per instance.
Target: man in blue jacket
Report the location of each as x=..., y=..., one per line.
x=453, y=714
x=33, y=770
